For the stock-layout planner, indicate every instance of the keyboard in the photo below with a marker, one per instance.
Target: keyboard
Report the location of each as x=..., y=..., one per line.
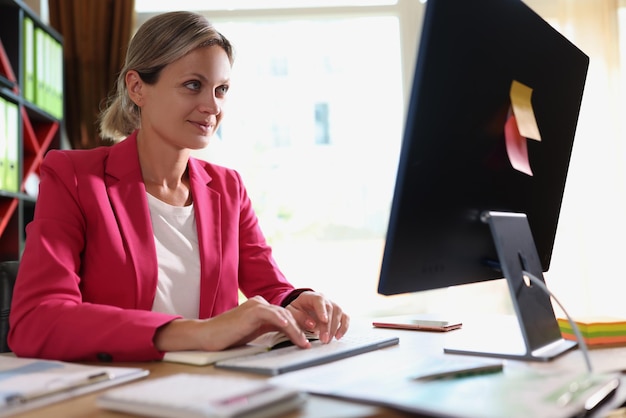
x=287, y=359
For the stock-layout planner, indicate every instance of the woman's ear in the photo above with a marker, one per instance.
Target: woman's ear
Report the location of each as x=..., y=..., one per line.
x=134, y=86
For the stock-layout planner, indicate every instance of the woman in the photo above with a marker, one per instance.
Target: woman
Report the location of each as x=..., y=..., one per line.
x=137, y=249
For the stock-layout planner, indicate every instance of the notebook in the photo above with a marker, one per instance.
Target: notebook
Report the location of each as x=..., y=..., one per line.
x=262, y=343
x=201, y=396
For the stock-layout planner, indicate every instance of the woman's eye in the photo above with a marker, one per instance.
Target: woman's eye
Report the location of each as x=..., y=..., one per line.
x=221, y=90
x=193, y=85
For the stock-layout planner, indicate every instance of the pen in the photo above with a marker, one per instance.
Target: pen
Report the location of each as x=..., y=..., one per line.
x=599, y=396
x=460, y=372
x=243, y=398
x=19, y=399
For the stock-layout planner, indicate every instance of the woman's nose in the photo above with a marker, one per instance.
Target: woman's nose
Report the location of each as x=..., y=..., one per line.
x=210, y=105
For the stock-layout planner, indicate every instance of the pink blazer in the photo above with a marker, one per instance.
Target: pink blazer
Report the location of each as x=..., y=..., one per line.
x=88, y=273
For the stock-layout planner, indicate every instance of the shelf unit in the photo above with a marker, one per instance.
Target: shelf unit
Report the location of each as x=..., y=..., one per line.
x=39, y=123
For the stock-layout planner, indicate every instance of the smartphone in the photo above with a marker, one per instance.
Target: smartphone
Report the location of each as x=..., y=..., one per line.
x=417, y=323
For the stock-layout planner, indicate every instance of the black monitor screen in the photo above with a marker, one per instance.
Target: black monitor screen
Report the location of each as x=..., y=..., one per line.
x=489, y=75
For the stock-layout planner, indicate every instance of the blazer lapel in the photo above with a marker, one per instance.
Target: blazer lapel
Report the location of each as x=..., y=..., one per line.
x=127, y=194
x=208, y=222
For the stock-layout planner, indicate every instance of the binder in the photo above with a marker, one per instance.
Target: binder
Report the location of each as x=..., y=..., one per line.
x=49, y=74
x=61, y=82
x=11, y=177
x=54, y=74
x=45, y=73
x=58, y=80
x=3, y=140
x=39, y=67
x=29, y=60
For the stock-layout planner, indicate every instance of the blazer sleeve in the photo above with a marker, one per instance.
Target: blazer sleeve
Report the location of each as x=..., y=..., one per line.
x=50, y=317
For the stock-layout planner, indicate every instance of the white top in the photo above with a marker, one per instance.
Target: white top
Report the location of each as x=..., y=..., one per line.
x=176, y=240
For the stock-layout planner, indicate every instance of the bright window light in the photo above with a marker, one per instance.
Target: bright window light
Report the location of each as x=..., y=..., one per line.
x=149, y=6
x=313, y=123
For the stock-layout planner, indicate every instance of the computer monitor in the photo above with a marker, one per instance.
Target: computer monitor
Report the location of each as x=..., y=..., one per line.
x=489, y=131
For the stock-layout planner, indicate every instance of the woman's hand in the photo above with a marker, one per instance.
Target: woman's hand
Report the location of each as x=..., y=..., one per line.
x=314, y=312
x=236, y=327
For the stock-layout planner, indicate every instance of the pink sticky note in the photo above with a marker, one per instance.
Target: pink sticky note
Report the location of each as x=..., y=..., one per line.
x=516, y=146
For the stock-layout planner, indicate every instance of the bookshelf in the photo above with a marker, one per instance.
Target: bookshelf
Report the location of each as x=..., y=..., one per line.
x=31, y=115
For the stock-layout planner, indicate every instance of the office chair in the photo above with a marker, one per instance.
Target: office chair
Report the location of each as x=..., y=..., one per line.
x=8, y=273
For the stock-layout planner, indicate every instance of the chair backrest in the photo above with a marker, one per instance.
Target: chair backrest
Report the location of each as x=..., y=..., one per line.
x=8, y=273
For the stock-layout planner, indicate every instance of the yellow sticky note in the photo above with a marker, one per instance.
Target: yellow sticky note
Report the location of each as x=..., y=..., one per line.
x=523, y=110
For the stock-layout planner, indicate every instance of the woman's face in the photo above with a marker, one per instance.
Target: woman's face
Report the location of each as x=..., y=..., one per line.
x=185, y=107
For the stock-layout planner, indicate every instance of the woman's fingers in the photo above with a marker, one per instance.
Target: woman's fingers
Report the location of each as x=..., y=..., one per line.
x=317, y=313
x=255, y=317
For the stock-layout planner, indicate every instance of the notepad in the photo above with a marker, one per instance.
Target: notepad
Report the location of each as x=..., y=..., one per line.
x=203, y=358
x=27, y=384
x=197, y=396
x=596, y=331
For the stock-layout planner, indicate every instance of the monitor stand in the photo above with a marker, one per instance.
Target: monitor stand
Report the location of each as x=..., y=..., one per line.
x=533, y=308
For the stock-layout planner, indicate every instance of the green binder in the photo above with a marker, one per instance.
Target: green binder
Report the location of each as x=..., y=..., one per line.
x=11, y=178
x=29, y=60
x=3, y=140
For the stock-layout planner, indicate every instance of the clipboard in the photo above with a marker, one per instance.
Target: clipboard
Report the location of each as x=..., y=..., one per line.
x=27, y=383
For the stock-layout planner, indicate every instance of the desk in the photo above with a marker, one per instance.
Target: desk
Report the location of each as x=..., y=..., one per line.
x=413, y=344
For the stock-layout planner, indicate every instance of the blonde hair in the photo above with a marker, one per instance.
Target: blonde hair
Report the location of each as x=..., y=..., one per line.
x=160, y=41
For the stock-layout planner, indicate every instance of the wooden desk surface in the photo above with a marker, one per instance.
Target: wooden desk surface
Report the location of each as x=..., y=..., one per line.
x=413, y=345
x=85, y=406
